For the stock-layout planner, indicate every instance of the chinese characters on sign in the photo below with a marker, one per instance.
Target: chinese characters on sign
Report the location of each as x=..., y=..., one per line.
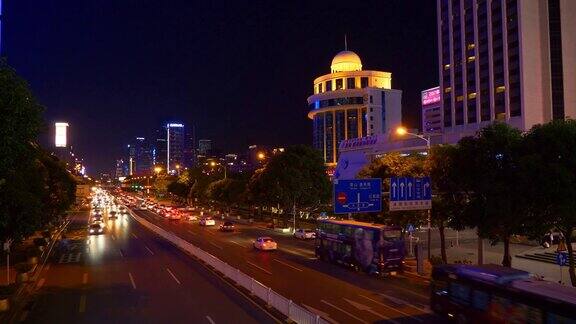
x=357, y=196
x=407, y=193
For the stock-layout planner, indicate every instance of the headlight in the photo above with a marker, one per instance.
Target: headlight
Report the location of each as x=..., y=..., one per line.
x=91, y=231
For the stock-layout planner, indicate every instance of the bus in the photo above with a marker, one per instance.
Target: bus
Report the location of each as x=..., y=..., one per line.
x=495, y=294
x=373, y=248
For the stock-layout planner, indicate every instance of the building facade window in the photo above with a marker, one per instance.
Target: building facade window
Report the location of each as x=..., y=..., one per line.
x=352, y=123
x=340, y=128
x=363, y=82
x=319, y=87
x=556, y=70
x=350, y=83
x=339, y=84
x=329, y=85
x=329, y=137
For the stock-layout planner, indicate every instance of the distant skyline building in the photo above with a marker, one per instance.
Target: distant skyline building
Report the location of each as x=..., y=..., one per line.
x=505, y=60
x=204, y=147
x=61, y=134
x=140, y=156
x=175, y=146
x=351, y=103
x=431, y=111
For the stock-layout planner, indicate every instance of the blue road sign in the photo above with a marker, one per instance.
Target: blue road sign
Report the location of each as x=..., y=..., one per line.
x=357, y=196
x=410, y=228
x=562, y=258
x=409, y=193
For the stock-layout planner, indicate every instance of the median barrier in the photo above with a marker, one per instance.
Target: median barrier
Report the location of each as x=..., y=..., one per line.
x=292, y=311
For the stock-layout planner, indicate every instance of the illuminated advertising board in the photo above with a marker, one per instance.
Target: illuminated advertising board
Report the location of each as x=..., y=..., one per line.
x=430, y=96
x=60, y=139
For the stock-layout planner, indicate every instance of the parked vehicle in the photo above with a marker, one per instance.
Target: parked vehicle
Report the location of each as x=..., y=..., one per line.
x=305, y=234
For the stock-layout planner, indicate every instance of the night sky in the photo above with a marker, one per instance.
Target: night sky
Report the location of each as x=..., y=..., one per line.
x=239, y=70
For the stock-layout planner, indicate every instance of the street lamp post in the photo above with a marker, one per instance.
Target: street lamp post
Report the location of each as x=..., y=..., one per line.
x=403, y=131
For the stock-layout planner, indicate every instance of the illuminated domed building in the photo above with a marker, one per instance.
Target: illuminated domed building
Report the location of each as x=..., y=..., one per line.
x=351, y=103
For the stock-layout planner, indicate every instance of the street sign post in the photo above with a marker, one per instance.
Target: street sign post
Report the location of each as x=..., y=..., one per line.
x=561, y=260
x=357, y=196
x=409, y=193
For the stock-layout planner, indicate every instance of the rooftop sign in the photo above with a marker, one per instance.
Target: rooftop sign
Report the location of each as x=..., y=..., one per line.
x=430, y=96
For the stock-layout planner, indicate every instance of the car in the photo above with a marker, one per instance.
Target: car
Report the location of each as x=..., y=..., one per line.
x=305, y=234
x=97, y=218
x=95, y=229
x=207, y=221
x=265, y=243
x=173, y=215
x=192, y=217
x=227, y=227
x=112, y=215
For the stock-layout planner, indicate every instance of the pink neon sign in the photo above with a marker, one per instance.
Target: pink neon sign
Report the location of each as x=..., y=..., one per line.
x=430, y=96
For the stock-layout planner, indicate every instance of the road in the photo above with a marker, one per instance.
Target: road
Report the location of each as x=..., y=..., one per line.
x=336, y=293
x=128, y=275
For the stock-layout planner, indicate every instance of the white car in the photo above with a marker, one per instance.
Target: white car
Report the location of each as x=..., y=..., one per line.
x=265, y=244
x=207, y=222
x=305, y=234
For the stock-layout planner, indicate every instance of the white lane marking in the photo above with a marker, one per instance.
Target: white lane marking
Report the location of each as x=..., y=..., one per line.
x=40, y=283
x=47, y=267
x=132, y=280
x=237, y=243
x=343, y=311
x=252, y=264
x=173, y=276
x=218, y=246
x=82, y=305
x=403, y=302
x=411, y=292
x=288, y=265
x=392, y=308
x=85, y=278
x=113, y=237
x=362, y=307
x=210, y=320
x=324, y=315
x=134, y=235
x=121, y=253
x=189, y=231
x=149, y=251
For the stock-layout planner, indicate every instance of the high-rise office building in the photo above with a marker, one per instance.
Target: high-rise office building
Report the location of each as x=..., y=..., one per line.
x=431, y=111
x=175, y=146
x=350, y=103
x=505, y=60
x=204, y=147
x=140, y=157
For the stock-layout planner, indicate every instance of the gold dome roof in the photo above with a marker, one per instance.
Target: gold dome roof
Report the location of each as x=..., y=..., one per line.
x=346, y=61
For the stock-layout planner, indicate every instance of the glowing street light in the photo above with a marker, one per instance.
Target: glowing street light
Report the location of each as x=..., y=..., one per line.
x=403, y=131
x=157, y=169
x=261, y=156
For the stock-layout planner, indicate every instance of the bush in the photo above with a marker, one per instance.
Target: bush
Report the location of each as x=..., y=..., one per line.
x=7, y=291
x=23, y=267
x=39, y=241
x=436, y=260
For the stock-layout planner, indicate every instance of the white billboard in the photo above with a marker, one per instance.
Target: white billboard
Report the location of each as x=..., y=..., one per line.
x=60, y=139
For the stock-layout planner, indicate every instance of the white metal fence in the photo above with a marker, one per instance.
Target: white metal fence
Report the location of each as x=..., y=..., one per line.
x=284, y=305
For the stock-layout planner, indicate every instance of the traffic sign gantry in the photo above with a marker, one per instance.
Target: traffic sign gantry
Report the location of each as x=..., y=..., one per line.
x=357, y=196
x=409, y=193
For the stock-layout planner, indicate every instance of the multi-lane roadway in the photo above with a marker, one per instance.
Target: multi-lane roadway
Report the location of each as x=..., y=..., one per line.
x=337, y=294
x=129, y=275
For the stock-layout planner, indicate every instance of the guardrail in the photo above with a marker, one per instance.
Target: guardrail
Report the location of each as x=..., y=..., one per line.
x=291, y=310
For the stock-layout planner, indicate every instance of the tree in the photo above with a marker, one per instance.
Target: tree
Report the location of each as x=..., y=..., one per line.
x=295, y=178
x=21, y=182
x=489, y=175
x=449, y=198
x=226, y=191
x=61, y=187
x=549, y=164
x=391, y=165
